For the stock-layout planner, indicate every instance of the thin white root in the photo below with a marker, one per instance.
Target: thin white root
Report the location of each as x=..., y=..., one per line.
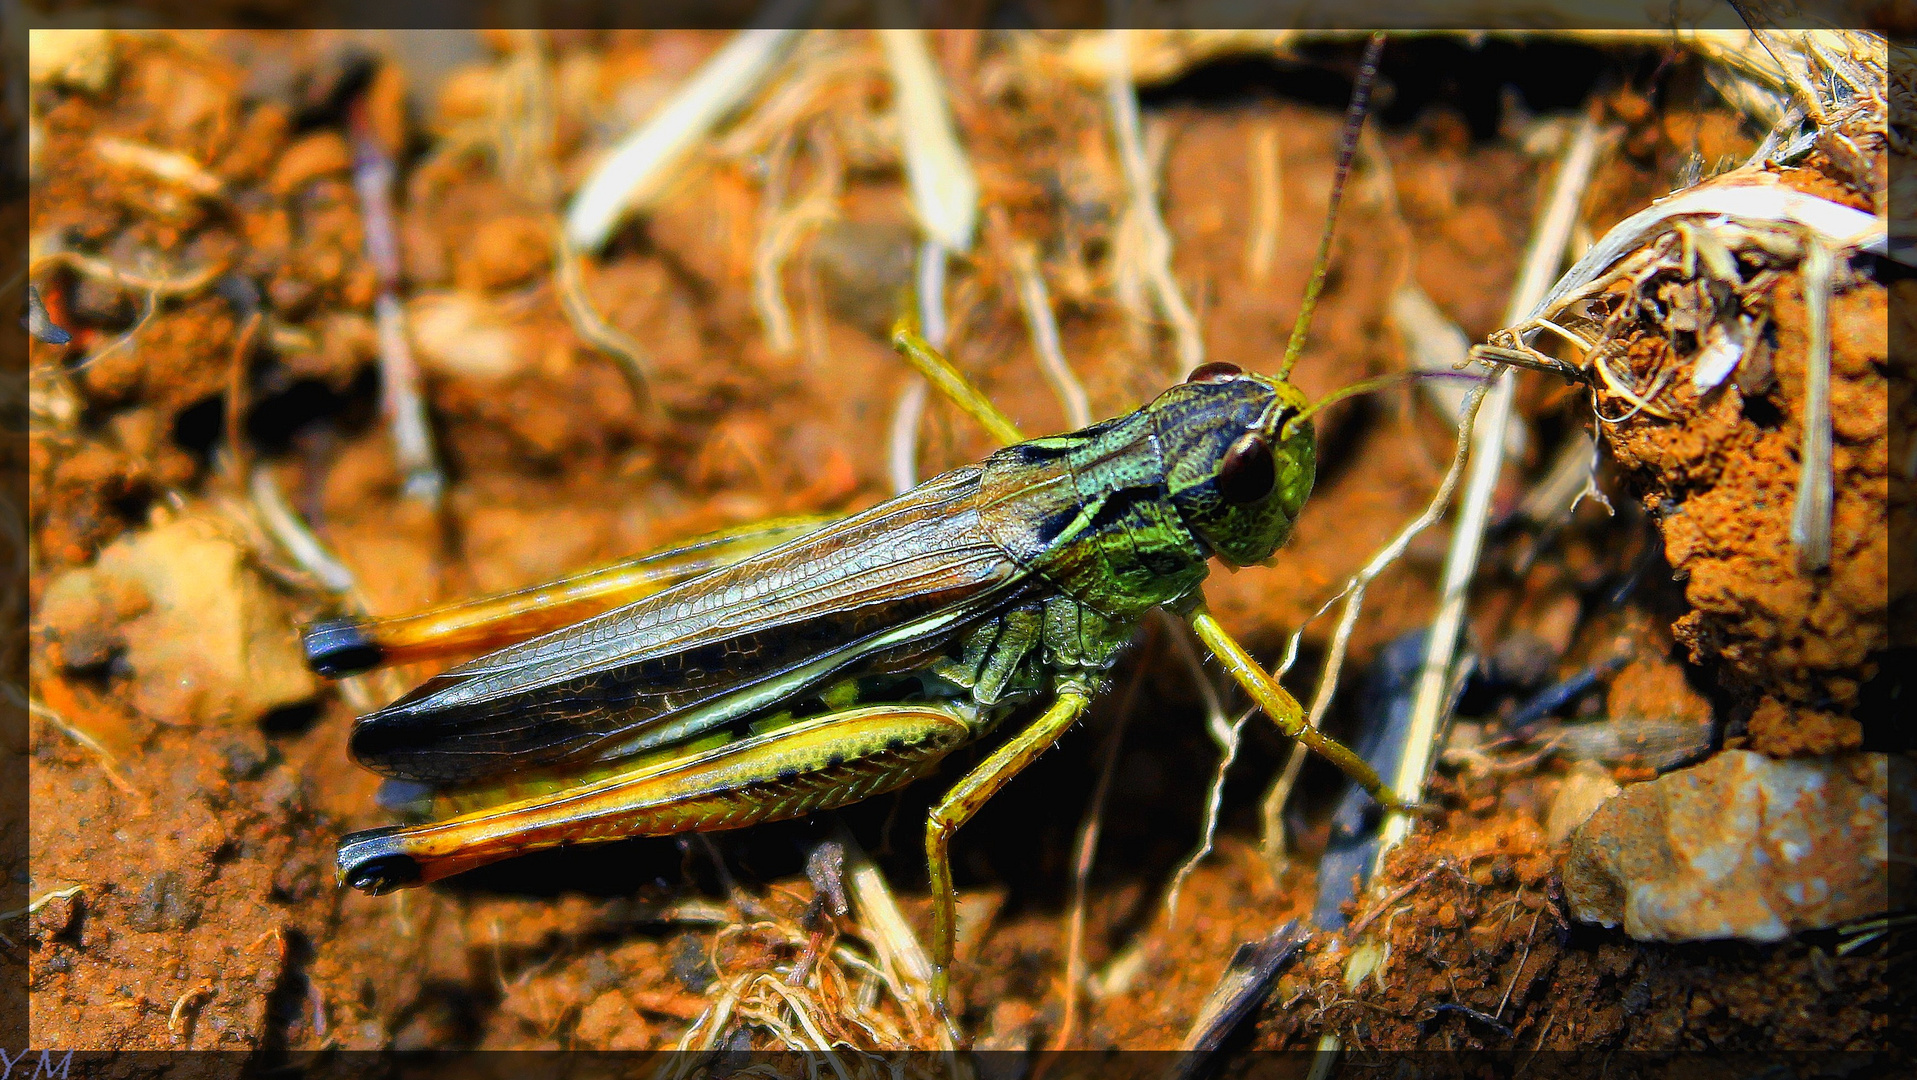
x=1036, y=302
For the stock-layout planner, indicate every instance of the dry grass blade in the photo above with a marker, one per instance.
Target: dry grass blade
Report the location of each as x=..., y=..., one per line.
x=945, y=204
x=1486, y=431
x=780, y=230
x=1149, y=245
x=166, y=287
x=1811, y=516
x=1548, y=244
x=1214, y=803
x=170, y=166
x=374, y=173
x=523, y=122
x=284, y=525
x=150, y=304
x=1225, y=733
x=639, y=169
x=944, y=191
x=902, y=440
x=68, y=702
x=239, y=460
x=42, y=901
x=900, y=955
x=1749, y=198
x=1036, y=303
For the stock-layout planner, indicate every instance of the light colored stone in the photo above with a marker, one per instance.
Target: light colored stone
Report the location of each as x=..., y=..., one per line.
x=78, y=57
x=462, y=334
x=203, y=634
x=1741, y=846
x=1587, y=787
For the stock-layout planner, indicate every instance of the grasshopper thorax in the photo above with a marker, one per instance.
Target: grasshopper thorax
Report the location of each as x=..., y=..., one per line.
x=1239, y=459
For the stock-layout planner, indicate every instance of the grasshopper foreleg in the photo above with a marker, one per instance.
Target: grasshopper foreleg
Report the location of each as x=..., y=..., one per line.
x=952, y=383
x=1284, y=709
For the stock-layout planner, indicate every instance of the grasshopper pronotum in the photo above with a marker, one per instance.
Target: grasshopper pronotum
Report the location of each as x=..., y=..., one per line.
x=803, y=665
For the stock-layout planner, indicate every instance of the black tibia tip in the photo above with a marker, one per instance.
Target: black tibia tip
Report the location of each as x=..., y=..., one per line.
x=370, y=862
x=340, y=647
x=1216, y=371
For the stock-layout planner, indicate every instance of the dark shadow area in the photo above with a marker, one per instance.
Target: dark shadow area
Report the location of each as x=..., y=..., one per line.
x=1480, y=82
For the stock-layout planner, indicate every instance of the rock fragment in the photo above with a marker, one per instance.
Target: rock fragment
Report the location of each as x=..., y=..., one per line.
x=1588, y=787
x=202, y=634
x=1742, y=846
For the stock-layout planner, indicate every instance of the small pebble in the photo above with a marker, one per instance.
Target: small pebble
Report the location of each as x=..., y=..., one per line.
x=1584, y=790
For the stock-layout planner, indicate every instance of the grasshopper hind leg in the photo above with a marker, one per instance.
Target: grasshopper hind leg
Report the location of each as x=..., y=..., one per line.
x=340, y=647
x=811, y=765
x=962, y=802
x=374, y=862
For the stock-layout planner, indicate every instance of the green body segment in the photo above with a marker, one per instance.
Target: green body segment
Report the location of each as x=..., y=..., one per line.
x=846, y=661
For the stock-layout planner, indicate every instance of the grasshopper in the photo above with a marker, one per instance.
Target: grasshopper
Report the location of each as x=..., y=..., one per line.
x=800, y=666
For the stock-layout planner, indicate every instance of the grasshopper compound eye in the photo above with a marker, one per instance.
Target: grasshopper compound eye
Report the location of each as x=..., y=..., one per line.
x=1216, y=371
x=1247, y=473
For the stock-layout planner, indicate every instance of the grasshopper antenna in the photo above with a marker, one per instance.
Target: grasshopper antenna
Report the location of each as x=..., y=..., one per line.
x=1347, y=147
x=1366, y=387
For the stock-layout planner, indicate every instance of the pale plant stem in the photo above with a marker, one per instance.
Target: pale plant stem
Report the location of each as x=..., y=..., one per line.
x=1549, y=241
x=1142, y=206
x=1486, y=430
x=1811, y=516
x=1267, y=206
x=638, y=170
x=400, y=399
x=1037, y=304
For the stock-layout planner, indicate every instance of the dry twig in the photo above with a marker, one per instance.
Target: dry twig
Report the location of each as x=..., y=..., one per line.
x=400, y=400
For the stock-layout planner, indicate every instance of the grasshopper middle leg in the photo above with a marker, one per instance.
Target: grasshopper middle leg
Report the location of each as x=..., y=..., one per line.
x=963, y=801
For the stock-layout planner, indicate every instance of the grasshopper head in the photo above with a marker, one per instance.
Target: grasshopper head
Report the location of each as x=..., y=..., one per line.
x=1239, y=459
